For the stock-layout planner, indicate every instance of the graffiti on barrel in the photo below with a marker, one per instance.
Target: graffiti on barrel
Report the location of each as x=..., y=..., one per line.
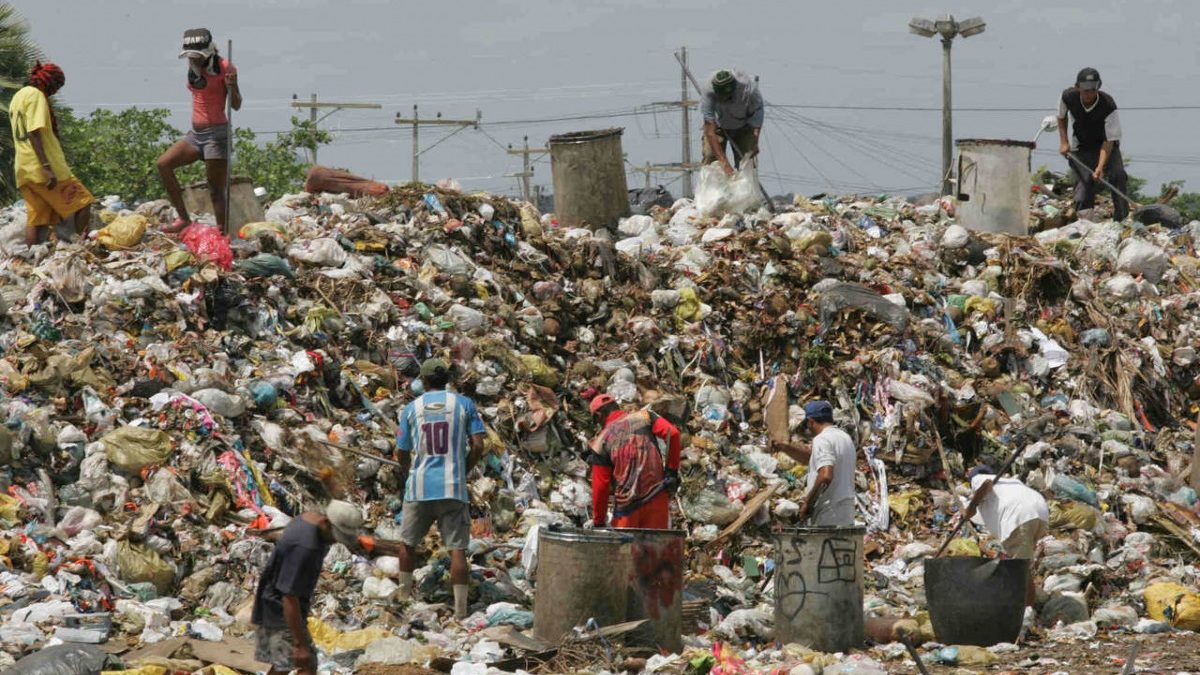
x=657, y=570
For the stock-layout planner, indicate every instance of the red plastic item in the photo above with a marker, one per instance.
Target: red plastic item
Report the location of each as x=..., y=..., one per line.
x=207, y=243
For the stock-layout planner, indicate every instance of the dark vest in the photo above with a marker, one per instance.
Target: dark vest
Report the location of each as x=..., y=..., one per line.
x=1088, y=126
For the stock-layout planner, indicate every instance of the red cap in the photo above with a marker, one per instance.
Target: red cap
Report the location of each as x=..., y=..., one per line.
x=601, y=401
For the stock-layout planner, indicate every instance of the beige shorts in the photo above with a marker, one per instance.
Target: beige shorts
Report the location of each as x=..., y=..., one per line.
x=1022, y=542
x=453, y=520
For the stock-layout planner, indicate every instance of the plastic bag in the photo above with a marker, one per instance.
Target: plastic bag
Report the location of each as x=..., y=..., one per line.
x=253, y=230
x=711, y=507
x=1176, y=604
x=719, y=194
x=138, y=563
x=1142, y=257
x=133, y=448
x=221, y=403
x=332, y=640
x=123, y=233
x=265, y=265
x=323, y=251
x=207, y=243
x=840, y=295
x=65, y=659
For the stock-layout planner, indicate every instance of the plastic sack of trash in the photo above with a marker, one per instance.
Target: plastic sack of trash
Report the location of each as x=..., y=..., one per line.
x=325, y=251
x=124, y=232
x=65, y=659
x=1141, y=257
x=1174, y=603
x=712, y=508
x=138, y=563
x=265, y=265
x=839, y=295
x=132, y=448
x=207, y=243
x=719, y=194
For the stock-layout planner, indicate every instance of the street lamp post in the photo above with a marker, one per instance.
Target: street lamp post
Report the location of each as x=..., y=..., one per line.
x=948, y=29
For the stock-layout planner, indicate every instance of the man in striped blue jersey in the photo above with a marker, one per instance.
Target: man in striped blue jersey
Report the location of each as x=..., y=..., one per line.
x=435, y=431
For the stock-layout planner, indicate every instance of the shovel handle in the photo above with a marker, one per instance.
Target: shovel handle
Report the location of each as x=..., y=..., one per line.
x=1103, y=181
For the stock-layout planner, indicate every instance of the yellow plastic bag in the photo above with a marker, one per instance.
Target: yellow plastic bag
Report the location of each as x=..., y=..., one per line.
x=10, y=511
x=252, y=230
x=540, y=372
x=1071, y=515
x=903, y=503
x=1176, y=604
x=132, y=448
x=332, y=640
x=124, y=232
x=139, y=564
x=964, y=547
x=688, y=308
x=178, y=258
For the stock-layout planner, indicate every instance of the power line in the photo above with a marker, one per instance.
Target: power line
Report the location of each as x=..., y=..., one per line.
x=899, y=108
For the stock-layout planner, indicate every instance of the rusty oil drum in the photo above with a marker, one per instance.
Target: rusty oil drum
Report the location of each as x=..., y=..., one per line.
x=581, y=575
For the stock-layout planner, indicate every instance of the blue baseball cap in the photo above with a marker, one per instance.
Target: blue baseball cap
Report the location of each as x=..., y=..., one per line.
x=818, y=411
x=983, y=469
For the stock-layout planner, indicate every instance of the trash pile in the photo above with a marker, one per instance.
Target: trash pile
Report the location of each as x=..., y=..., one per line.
x=167, y=401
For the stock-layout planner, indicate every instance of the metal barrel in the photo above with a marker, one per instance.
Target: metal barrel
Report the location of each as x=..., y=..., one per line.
x=588, y=168
x=818, y=587
x=581, y=575
x=993, y=185
x=976, y=601
x=656, y=587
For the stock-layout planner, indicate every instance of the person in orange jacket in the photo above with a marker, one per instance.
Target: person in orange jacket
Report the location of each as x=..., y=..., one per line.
x=626, y=461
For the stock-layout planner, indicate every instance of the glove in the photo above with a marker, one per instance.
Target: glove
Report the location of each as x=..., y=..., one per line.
x=671, y=481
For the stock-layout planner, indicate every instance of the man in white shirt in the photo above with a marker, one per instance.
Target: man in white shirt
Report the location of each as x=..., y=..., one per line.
x=830, y=489
x=1095, y=139
x=1014, y=514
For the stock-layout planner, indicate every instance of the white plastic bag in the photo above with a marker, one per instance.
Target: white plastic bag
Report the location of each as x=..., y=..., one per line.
x=1142, y=257
x=719, y=194
x=324, y=251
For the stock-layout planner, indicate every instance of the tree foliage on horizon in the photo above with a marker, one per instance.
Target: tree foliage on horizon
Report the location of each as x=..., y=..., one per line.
x=18, y=52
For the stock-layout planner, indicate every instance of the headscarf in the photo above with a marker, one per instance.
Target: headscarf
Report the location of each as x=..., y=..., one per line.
x=48, y=77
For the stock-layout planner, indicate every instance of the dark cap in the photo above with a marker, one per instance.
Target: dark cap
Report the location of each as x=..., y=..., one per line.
x=1088, y=78
x=197, y=42
x=432, y=367
x=982, y=469
x=723, y=82
x=819, y=411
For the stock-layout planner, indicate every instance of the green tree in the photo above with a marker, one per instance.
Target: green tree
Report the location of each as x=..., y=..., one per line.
x=17, y=55
x=114, y=153
x=277, y=166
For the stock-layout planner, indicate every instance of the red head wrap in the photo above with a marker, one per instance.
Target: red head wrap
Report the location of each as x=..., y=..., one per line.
x=48, y=77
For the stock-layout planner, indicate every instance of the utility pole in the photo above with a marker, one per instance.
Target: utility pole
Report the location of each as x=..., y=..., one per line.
x=948, y=29
x=686, y=158
x=416, y=123
x=313, y=104
x=526, y=167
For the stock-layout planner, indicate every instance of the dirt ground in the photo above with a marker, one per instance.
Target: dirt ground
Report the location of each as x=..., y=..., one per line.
x=1162, y=654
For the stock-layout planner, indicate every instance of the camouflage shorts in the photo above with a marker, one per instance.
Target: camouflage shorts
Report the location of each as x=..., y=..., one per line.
x=274, y=646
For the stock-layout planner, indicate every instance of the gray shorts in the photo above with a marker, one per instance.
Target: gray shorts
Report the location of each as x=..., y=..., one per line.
x=275, y=645
x=453, y=521
x=211, y=143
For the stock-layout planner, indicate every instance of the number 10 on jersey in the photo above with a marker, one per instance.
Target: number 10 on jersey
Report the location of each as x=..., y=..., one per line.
x=435, y=437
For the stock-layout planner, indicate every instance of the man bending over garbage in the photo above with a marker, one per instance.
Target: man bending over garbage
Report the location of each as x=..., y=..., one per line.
x=829, y=498
x=285, y=589
x=435, y=430
x=732, y=108
x=625, y=459
x=1011, y=512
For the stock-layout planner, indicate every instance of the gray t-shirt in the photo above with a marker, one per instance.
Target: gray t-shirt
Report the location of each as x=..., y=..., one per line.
x=745, y=108
x=835, y=507
x=293, y=569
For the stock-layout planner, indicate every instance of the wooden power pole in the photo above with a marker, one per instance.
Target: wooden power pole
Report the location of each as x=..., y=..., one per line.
x=416, y=123
x=313, y=105
x=526, y=166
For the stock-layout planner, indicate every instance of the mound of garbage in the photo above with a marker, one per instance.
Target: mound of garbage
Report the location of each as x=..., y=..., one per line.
x=168, y=400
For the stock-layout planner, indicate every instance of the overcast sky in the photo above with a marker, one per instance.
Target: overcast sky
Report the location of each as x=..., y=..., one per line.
x=518, y=61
